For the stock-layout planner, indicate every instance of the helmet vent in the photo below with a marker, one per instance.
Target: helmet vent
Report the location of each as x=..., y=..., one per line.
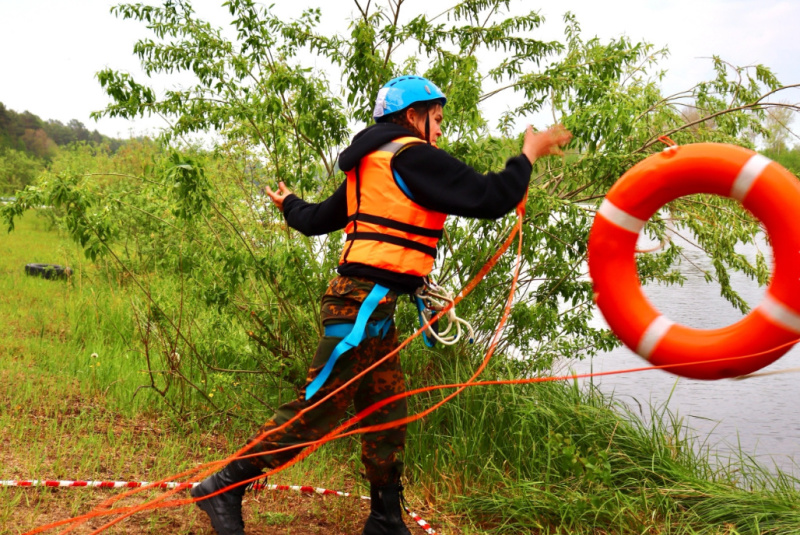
x=427, y=89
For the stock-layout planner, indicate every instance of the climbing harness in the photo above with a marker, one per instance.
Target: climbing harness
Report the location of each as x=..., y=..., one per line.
x=763, y=187
x=431, y=299
x=352, y=334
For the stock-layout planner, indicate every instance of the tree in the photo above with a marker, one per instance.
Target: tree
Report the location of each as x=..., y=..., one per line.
x=777, y=127
x=27, y=132
x=17, y=170
x=222, y=282
x=59, y=132
x=278, y=118
x=38, y=143
x=80, y=132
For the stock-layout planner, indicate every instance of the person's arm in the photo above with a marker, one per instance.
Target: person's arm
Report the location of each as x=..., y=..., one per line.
x=312, y=219
x=545, y=143
x=443, y=183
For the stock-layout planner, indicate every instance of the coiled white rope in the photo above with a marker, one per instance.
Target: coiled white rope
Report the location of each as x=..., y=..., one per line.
x=435, y=298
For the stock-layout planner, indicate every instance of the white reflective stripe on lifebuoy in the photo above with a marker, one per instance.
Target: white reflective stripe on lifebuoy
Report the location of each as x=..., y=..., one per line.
x=620, y=217
x=653, y=335
x=780, y=313
x=748, y=174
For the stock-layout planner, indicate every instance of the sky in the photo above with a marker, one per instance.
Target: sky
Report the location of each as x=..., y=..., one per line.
x=51, y=49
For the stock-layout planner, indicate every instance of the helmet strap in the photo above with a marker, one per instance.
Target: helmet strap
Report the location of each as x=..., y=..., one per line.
x=428, y=125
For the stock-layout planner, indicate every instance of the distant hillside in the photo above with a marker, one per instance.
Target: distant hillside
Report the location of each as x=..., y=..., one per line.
x=28, y=133
x=28, y=145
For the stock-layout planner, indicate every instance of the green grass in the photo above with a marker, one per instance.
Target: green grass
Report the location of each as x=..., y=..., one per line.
x=552, y=458
x=544, y=458
x=62, y=422
x=67, y=414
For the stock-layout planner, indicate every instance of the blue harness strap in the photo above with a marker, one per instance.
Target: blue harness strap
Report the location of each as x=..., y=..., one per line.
x=402, y=185
x=352, y=334
x=422, y=322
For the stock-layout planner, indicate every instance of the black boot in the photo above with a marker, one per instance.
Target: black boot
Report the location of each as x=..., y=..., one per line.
x=225, y=510
x=386, y=516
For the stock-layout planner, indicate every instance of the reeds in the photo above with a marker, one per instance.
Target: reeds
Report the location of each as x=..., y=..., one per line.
x=556, y=458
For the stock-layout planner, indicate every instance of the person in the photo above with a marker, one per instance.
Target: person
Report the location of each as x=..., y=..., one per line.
x=399, y=189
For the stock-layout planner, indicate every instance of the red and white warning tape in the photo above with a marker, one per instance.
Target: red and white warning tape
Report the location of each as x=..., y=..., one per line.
x=424, y=525
x=96, y=484
x=173, y=485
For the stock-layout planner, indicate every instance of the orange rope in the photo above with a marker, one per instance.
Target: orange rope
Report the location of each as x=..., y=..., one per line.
x=666, y=140
x=334, y=435
x=340, y=431
x=208, y=468
x=314, y=445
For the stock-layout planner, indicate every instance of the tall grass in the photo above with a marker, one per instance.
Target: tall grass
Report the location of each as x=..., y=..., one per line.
x=555, y=458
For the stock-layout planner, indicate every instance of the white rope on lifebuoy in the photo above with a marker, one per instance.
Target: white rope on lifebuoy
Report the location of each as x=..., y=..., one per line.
x=765, y=374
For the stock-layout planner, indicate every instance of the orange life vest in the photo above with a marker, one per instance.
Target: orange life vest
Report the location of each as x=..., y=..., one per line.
x=385, y=228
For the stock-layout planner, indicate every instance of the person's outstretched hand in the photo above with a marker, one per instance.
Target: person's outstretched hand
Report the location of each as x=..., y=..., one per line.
x=545, y=143
x=277, y=197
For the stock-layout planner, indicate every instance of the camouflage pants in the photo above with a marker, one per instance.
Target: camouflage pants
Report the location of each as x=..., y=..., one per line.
x=381, y=452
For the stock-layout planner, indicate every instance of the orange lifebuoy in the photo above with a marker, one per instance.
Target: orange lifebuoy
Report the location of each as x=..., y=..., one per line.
x=767, y=190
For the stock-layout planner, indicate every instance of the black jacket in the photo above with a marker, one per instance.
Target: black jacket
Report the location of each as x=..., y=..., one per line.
x=437, y=181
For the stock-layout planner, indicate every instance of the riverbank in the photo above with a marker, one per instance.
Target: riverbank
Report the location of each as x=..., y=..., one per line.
x=546, y=458
x=754, y=416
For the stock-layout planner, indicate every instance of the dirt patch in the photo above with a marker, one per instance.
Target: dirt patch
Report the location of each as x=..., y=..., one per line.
x=54, y=429
x=107, y=458
x=265, y=512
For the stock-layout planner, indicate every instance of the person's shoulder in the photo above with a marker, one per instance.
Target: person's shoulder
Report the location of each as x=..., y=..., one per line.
x=425, y=151
x=367, y=141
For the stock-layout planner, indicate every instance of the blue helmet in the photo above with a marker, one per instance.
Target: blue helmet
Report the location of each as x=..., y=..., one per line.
x=403, y=91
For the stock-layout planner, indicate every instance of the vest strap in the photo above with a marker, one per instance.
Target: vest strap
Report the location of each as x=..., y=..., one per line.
x=395, y=240
x=358, y=332
x=397, y=225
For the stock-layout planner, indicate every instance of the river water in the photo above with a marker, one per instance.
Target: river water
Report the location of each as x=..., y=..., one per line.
x=756, y=415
